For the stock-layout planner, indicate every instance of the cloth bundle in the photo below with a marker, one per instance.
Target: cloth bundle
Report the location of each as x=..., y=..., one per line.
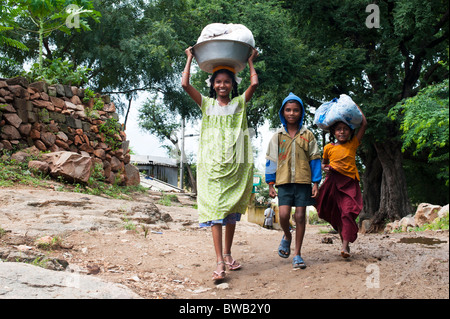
x=236, y=32
x=339, y=109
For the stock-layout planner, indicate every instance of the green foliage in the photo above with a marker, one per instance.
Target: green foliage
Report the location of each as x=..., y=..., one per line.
x=48, y=16
x=88, y=94
x=168, y=199
x=424, y=122
x=420, y=174
x=58, y=71
x=157, y=120
x=13, y=172
x=10, y=42
x=111, y=128
x=437, y=224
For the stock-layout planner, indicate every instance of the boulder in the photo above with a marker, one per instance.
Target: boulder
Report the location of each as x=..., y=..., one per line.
x=426, y=213
x=20, y=156
x=9, y=132
x=38, y=166
x=132, y=177
x=40, y=86
x=392, y=226
x=443, y=211
x=406, y=222
x=69, y=165
x=13, y=119
x=48, y=139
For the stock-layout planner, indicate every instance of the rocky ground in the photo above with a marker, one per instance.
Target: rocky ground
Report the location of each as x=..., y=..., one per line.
x=158, y=252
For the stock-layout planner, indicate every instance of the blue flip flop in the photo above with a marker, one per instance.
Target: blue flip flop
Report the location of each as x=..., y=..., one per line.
x=284, y=250
x=298, y=262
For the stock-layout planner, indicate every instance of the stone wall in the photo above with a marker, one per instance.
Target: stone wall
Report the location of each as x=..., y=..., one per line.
x=57, y=118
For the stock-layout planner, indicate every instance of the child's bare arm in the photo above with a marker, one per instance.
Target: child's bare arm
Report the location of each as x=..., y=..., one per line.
x=363, y=127
x=253, y=77
x=272, y=191
x=193, y=93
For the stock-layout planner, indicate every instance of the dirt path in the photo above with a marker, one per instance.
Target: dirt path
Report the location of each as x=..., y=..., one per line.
x=176, y=260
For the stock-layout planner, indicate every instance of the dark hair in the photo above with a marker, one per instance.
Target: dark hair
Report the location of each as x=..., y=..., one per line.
x=293, y=101
x=333, y=128
x=234, y=91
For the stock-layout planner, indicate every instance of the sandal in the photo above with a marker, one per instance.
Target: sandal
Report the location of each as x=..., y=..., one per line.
x=219, y=275
x=345, y=254
x=298, y=262
x=284, y=250
x=234, y=265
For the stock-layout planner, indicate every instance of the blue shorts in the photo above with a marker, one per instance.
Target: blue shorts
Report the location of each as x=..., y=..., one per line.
x=230, y=219
x=295, y=195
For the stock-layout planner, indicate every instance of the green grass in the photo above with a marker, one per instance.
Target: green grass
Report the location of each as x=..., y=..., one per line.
x=168, y=199
x=13, y=173
x=437, y=224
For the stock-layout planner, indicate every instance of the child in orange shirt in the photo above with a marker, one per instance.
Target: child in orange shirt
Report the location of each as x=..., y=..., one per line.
x=340, y=201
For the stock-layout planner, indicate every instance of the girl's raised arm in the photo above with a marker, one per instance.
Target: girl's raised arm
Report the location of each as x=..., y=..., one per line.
x=362, y=129
x=193, y=93
x=253, y=77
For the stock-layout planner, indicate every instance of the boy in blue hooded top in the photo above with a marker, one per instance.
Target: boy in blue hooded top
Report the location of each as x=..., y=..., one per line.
x=293, y=163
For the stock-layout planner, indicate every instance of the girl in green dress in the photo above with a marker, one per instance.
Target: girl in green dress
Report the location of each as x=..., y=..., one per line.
x=225, y=159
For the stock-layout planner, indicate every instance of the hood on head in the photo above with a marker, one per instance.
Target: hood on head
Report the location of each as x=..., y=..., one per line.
x=290, y=97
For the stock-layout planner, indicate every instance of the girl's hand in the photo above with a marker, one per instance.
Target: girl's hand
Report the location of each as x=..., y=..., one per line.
x=253, y=55
x=188, y=52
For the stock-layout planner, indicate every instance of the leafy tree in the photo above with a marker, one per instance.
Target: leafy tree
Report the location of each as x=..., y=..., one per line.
x=280, y=53
x=10, y=42
x=425, y=125
x=48, y=16
x=378, y=67
x=7, y=15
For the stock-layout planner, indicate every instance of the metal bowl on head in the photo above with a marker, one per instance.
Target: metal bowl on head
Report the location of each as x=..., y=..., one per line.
x=212, y=53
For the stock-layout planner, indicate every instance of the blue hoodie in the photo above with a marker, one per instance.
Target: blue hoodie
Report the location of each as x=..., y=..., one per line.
x=315, y=164
x=291, y=97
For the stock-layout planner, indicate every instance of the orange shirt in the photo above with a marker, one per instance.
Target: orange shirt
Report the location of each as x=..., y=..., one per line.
x=342, y=157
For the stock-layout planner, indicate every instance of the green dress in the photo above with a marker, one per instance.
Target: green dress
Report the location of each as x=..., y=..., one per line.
x=225, y=160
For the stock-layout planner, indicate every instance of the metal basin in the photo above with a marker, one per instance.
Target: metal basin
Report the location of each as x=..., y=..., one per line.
x=212, y=53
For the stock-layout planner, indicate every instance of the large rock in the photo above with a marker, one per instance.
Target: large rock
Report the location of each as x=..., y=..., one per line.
x=406, y=222
x=24, y=281
x=443, y=211
x=132, y=177
x=426, y=213
x=69, y=165
x=13, y=119
x=9, y=132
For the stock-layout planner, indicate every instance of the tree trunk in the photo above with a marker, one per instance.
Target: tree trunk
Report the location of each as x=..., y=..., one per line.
x=371, y=181
x=192, y=179
x=394, y=202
